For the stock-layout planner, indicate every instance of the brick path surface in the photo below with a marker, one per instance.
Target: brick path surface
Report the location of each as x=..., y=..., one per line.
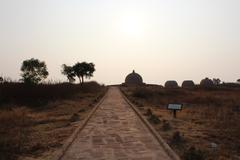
x=115, y=132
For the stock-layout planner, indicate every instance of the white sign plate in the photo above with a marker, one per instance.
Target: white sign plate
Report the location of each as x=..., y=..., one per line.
x=175, y=106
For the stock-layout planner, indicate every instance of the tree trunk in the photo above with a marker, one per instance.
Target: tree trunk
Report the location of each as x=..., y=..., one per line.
x=82, y=79
x=69, y=79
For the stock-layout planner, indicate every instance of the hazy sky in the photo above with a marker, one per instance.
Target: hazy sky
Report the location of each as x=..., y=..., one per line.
x=161, y=39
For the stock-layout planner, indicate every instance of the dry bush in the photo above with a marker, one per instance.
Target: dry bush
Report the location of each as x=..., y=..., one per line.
x=154, y=119
x=177, y=138
x=158, y=95
x=166, y=126
x=143, y=93
x=194, y=154
x=38, y=95
x=13, y=132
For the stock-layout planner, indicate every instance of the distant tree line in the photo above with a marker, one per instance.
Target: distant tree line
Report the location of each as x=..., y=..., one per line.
x=34, y=71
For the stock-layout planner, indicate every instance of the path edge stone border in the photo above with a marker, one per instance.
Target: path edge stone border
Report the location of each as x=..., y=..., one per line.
x=165, y=146
x=60, y=153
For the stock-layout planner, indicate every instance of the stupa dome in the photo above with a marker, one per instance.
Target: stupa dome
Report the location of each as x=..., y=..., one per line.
x=133, y=79
x=171, y=84
x=206, y=83
x=188, y=84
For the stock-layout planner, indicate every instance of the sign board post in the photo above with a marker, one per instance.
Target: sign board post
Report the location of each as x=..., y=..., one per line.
x=174, y=108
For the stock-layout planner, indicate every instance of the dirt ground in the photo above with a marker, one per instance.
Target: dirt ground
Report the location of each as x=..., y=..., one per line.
x=207, y=127
x=35, y=133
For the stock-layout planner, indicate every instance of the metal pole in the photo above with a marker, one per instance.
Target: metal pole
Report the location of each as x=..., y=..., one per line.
x=174, y=113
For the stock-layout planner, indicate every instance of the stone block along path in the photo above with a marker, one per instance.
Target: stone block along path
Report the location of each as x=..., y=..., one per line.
x=115, y=132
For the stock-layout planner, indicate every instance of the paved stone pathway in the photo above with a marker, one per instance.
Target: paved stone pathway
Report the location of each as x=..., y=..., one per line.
x=115, y=132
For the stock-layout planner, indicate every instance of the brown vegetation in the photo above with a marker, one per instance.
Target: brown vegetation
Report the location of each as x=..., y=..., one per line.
x=34, y=95
x=30, y=132
x=208, y=126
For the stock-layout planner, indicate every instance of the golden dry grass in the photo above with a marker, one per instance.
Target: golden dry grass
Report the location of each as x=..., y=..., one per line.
x=36, y=132
x=208, y=117
x=14, y=131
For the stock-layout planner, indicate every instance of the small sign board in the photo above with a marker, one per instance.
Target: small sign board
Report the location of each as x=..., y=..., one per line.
x=174, y=106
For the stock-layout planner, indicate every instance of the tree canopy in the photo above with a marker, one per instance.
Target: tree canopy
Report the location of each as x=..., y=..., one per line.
x=216, y=81
x=81, y=70
x=69, y=72
x=33, y=71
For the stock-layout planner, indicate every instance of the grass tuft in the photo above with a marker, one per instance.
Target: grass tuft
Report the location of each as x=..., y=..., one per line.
x=177, y=139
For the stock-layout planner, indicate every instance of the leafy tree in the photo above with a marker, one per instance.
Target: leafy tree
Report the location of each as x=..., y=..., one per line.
x=83, y=69
x=90, y=68
x=33, y=71
x=216, y=81
x=69, y=72
x=1, y=79
x=78, y=71
x=238, y=80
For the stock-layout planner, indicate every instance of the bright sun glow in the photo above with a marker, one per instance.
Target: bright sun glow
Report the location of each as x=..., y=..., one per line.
x=131, y=26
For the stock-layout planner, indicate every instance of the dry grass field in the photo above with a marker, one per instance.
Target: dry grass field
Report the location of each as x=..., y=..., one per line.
x=208, y=126
x=36, y=120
